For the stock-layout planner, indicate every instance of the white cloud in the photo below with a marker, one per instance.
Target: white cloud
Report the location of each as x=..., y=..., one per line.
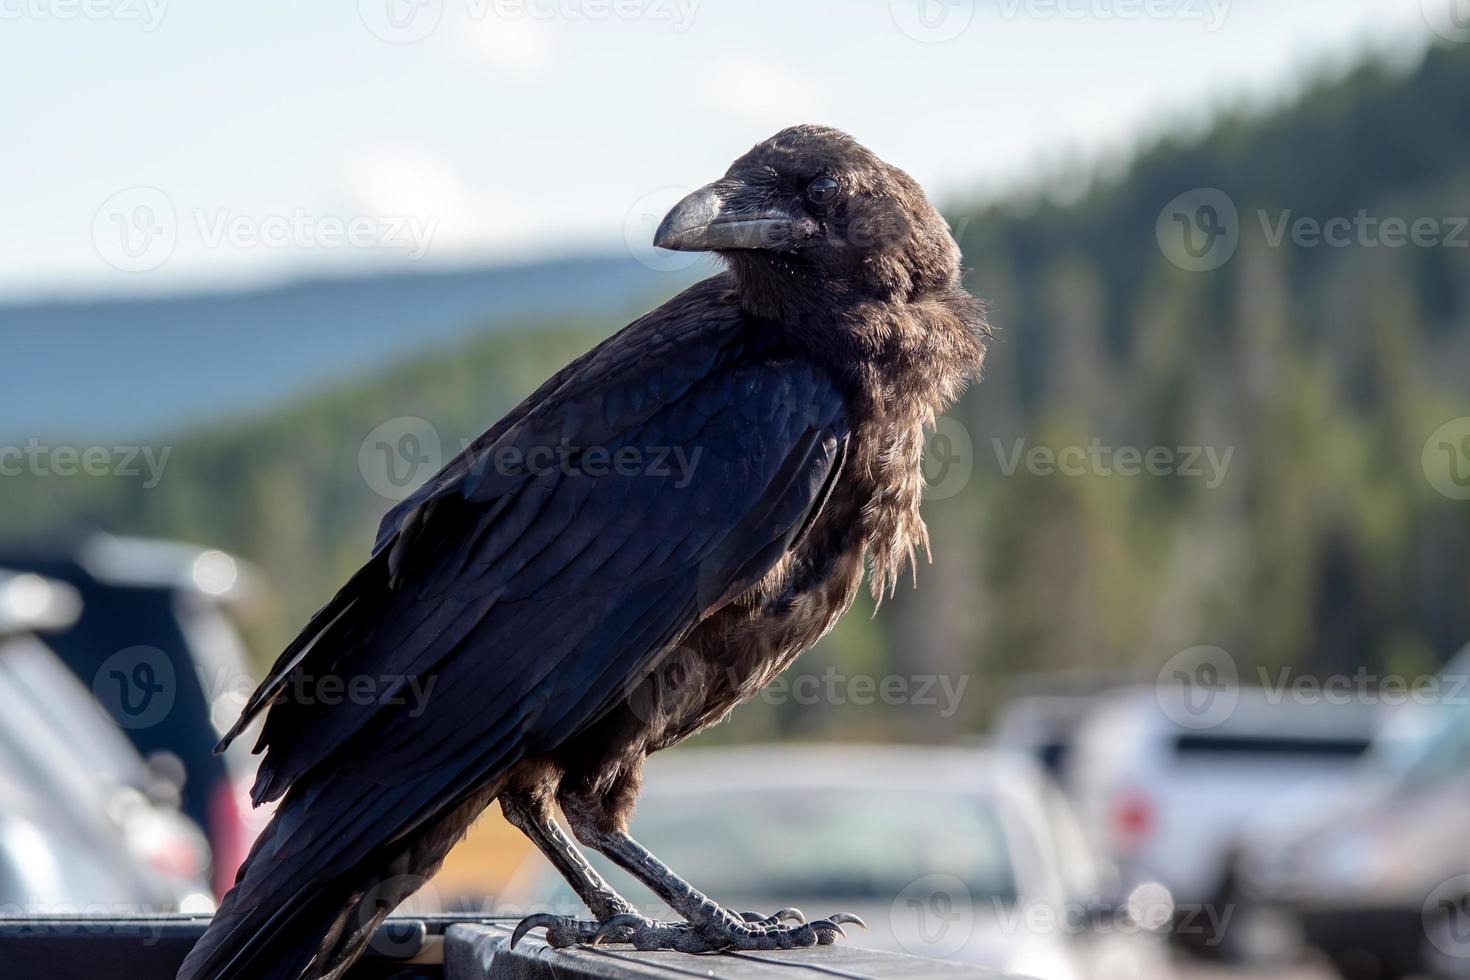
x=407, y=182
x=517, y=46
x=765, y=92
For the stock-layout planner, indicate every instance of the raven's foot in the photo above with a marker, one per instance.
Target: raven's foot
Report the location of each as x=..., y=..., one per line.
x=563, y=930
x=724, y=930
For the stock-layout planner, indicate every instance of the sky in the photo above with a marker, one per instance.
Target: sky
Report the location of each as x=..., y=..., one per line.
x=168, y=145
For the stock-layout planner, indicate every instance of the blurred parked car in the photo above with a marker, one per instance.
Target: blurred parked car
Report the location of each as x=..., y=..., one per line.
x=154, y=644
x=1042, y=712
x=1377, y=875
x=85, y=826
x=952, y=853
x=1165, y=792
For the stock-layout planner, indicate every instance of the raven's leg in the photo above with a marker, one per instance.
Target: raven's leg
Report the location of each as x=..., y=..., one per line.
x=533, y=818
x=531, y=815
x=709, y=926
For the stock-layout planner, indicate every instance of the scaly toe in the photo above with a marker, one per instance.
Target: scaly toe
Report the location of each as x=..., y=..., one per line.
x=785, y=915
x=561, y=930
x=619, y=928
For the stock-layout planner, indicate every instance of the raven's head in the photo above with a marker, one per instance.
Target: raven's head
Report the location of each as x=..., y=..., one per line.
x=811, y=209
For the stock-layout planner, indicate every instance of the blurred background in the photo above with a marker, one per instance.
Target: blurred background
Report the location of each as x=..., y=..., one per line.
x=1178, y=693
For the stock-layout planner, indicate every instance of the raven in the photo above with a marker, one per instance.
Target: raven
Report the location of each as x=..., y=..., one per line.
x=757, y=444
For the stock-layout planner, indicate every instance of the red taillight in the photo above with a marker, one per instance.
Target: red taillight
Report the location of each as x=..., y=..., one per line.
x=228, y=836
x=1133, y=818
x=175, y=852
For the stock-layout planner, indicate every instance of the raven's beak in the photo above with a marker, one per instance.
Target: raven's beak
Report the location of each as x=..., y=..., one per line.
x=713, y=218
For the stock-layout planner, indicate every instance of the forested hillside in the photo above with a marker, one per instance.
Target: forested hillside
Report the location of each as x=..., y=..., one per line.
x=1239, y=455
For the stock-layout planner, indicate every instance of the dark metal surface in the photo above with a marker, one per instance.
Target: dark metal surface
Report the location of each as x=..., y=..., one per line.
x=429, y=948
x=481, y=952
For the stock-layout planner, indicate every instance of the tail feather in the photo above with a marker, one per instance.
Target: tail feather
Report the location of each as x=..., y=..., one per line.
x=290, y=917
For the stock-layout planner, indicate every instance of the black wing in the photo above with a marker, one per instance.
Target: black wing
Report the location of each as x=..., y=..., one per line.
x=529, y=600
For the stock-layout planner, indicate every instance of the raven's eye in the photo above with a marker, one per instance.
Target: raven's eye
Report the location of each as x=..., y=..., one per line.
x=822, y=190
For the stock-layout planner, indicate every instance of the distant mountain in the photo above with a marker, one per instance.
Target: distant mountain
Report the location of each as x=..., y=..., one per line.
x=144, y=367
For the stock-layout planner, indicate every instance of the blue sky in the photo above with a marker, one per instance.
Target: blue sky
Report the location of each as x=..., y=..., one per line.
x=274, y=139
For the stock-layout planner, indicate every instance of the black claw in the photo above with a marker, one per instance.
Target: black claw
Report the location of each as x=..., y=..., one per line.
x=722, y=930
x=537, y=921
x=622, y=920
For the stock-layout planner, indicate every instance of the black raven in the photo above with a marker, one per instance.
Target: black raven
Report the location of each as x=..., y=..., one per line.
x=757, y=442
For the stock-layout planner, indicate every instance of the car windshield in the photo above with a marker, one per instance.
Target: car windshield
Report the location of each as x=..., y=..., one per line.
x=852, y=844
x=1443, y=749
